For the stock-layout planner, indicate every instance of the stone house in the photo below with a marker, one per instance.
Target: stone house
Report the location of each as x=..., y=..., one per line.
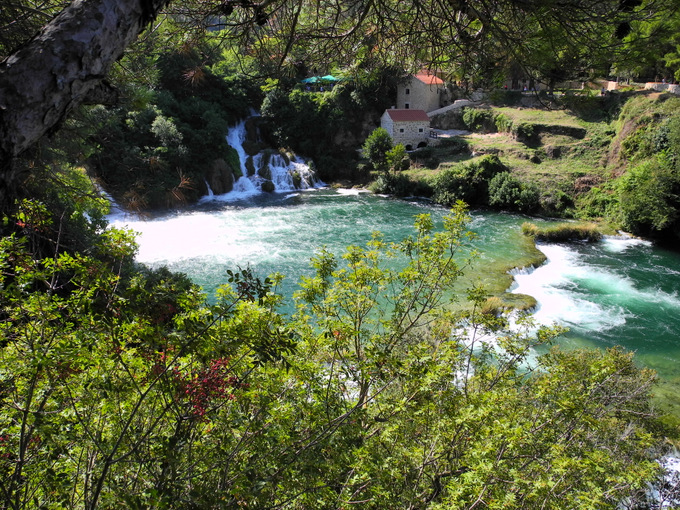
x=411, y=128
x=423, y=91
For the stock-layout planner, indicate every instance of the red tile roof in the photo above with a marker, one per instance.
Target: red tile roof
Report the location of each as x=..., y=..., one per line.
x=408, y=115
x=429, y=79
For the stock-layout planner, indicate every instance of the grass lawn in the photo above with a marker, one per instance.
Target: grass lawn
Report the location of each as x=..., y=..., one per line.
x=538, y=116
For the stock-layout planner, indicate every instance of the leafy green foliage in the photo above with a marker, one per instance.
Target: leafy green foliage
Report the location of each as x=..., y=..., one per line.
x=123, y=388
x=326, y=126
x=476, y=119
x=400, y=185
x=509, y=193
x=648, y=198
x=157, y=153
x=376, y=149
x=468, y=182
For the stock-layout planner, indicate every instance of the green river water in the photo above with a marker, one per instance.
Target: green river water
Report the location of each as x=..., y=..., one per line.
x=620, y=291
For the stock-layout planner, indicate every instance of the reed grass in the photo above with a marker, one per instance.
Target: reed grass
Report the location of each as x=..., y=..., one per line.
x=563, y=232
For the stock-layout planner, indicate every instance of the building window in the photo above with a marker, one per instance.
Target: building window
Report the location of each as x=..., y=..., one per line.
x=408, y=91
x=401, y=130
x=406, y=106
x=420, y=130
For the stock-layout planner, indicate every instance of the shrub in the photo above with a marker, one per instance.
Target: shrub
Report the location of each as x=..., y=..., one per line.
x=400, y=185
x=503, y=123
x=376, y=147
x=556, y=203
x=476, y=119
x=487, y=166
x=648, y=202
x=397, y=159
x=466, y=182
x=455, y=145
x=524, y=132
x=508, y=192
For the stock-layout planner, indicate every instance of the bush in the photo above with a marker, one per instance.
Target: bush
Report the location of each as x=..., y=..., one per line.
x=503, y=123
x=397, y=159
x=376, y=147
x=455, y=145
x=524, y=132
x=466, y=182
x=476, y=119
x=426, y=156
x=556, y=203
x=648, y=198
x=400, y=185
x=508, y=192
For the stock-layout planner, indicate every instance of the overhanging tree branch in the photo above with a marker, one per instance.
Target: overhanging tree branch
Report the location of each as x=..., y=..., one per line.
x=52, y=73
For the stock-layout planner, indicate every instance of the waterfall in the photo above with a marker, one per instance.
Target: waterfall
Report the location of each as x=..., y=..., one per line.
x=266, y=171
x=207, y=186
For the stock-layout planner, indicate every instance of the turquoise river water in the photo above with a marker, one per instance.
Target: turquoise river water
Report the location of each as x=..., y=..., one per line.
x=620, y=291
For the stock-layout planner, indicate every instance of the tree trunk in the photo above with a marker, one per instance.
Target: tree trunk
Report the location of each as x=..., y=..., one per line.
x=52, y=73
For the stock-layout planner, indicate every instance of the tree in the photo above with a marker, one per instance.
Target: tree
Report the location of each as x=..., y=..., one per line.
x=376, y=147
x=55, y=71
x=396, y=157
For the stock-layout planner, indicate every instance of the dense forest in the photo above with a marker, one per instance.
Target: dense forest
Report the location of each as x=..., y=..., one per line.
x=124, y=386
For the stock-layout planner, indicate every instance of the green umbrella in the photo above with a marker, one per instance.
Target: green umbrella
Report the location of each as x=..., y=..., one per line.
x=313, y=79
x=330, y=77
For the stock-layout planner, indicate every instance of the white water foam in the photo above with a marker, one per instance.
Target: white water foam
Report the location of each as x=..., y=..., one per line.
x=351, y=191
x=182, y=237
x=555, y=286
x=622, y=242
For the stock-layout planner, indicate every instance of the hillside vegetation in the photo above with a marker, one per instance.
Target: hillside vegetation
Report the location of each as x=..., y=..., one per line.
x=617, y=164
x=127, y=387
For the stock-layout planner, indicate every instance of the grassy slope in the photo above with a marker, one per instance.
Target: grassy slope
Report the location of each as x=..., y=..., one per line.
x=580, y=160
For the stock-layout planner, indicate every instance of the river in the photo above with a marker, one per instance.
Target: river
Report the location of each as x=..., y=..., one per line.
x=620, y=291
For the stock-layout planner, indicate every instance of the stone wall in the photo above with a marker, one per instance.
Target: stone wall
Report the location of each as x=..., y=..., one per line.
x=663, y=87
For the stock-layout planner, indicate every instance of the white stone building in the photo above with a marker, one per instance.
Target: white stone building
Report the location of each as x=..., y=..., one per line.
x=411, y=128
x=422, y=91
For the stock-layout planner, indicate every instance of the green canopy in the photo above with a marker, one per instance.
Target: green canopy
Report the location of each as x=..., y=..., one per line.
x=330, y=77
x=313, y=79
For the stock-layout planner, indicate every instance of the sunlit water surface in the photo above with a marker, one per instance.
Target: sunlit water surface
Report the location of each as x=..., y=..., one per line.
x=619, y=291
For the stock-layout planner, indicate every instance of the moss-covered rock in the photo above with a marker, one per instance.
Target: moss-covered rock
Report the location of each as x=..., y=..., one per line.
x=265, y=171
x=250, y=166
x=220, y=177
x=252, y=148
x=297, y=179
x=268, y=187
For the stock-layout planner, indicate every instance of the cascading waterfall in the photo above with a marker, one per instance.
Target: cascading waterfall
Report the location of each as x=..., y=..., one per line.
x=284, y=174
